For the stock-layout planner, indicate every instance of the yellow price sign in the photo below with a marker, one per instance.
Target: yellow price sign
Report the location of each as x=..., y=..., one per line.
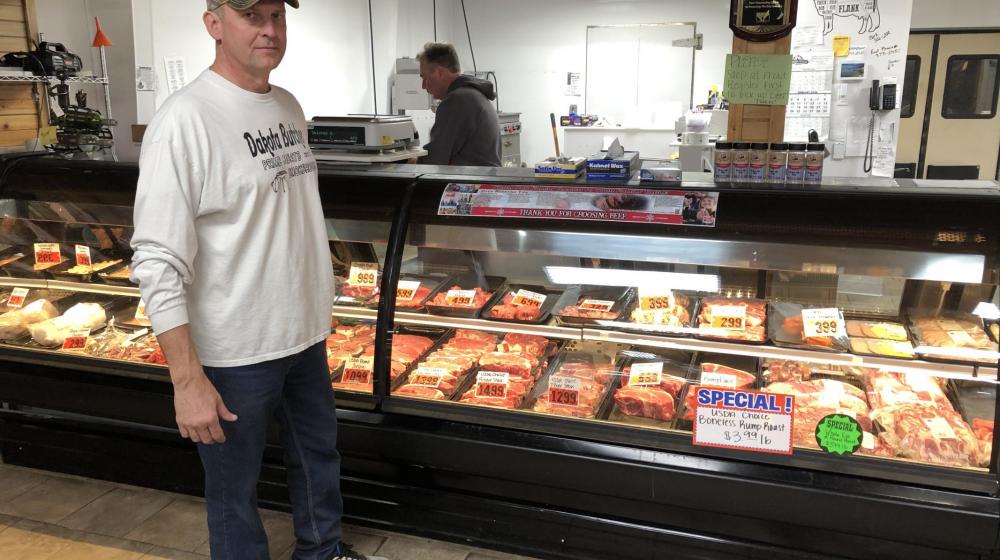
x=363, y=275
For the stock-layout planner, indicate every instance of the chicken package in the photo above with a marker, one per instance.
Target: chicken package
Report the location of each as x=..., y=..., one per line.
x=786, y=327
x=929, y=433
x=954, y=337
x=82, y=316
x=14, y=324
x=733, y=319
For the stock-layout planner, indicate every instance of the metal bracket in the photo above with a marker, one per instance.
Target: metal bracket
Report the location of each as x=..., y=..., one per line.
x=697, y=42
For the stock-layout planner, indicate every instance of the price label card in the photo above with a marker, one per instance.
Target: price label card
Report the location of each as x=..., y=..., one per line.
x=527, y=298
x=47, y=253
x=596, y=305
x=77, y=339
x=564, y=390
x=646, y=374
x=137, y=335
x=746, y=420
x=713, y=379
x=961, y=338
x=428, y=377
x=17, y=297
x=654, y=299
x=83, y=255
x=140, y=311
x=822, y=323
x=492, y=384
x=460, y=298
x=407, y=290
x=358, y=371
x=363, y=275
x=729, y=317
x=940, y=428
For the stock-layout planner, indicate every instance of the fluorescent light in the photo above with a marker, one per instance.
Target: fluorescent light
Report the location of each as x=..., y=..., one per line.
x=629, y=278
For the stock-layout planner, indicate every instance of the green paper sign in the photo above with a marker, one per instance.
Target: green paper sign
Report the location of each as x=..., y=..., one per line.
x=839, y=434
x=758, y=79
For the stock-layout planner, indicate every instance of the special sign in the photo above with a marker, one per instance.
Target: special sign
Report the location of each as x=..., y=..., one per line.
x=745, y=420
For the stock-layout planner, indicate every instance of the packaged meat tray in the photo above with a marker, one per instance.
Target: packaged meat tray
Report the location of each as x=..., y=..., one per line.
x=953, y=337
x=881, y=330
x=354, y=290
x=929, y=433
x=710, y=373
x=523, y=303
x=884, y=348
x=888, y=389
x=59, y=298
x=82, y=316
x=742, y=320
x=72, y=272
x=976, y=401
x=119, y=275
x=575, y=386
x=777, y=371
x=516, y=364
x=670, y=313
x=648, y=391
x=785, y=327
x=464, y=296
x=588, y=305
x=438, y=374
x=117, y=344
x=26, y=267
x=413, y=291
x=16, y=324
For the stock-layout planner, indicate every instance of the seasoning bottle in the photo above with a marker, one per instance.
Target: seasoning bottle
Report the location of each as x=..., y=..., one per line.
x=723, y=162
x=741, y=161
x=777, y=161
x=758, y=162
x=795, y=173
x=815, y=152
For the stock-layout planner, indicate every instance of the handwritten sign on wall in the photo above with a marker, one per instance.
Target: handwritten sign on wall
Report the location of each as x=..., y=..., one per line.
x=758, y=79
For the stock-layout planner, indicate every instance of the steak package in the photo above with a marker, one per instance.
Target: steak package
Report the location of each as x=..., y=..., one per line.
x=733, y=319
x=787, y=328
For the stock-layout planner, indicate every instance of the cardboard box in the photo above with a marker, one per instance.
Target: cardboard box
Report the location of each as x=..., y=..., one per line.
x=659, y=173
x=552, y=169
x=622, y=168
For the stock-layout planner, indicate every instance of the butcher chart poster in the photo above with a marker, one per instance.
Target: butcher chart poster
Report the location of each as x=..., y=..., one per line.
x=580, y=203
x=745, y=420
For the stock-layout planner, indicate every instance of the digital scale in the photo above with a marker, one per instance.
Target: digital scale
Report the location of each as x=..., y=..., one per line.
x=364, y=138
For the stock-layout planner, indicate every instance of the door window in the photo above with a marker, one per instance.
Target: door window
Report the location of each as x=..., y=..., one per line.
x=910, y=81
x=970, y=87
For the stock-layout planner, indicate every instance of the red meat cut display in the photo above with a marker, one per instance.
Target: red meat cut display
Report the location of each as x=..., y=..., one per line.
x=480, y=299
x=755, y=329
x=506, y=310
x=649, y=401
x=593, y=383
x=931, y=433
x=523, y=358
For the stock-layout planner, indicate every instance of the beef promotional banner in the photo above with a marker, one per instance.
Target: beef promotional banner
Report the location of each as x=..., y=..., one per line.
x=581, y=203
x=746, y=420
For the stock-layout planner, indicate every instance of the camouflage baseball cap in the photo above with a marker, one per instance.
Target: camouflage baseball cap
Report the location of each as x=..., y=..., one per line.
x=243, y=4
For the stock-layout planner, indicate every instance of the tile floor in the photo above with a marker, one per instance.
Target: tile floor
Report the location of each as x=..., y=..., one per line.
x=50, y=516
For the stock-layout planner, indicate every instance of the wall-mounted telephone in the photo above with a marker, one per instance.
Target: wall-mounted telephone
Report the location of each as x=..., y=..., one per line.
x=882, y=98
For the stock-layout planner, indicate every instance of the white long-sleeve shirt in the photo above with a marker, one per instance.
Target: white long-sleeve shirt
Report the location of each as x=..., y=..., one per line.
x=229, y=231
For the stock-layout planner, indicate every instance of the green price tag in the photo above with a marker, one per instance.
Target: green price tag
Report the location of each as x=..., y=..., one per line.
x=839, y=434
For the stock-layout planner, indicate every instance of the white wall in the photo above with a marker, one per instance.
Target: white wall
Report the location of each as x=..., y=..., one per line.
x=72, y=23
x=934, y=14
x=532, y=44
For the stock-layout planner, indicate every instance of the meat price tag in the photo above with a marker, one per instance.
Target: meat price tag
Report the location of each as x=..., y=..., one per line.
x=940, y=428
x=729, y=317
x=137, y=335
x=564, y=390
x=747, y=420
x=526, y=298
x=407, y=290
x=140, y=311
x=47, y=253
x=460, y=298
x=428, y=377
x=654, y=299
x=493, y=384
x=646, y=374
x=818, y=323
x=961, y=338
x=358, y=370
x=363, y=275
x=77, y=339
x=83, y=255
x=713, y=379
x=596, y=305
x=17, y=297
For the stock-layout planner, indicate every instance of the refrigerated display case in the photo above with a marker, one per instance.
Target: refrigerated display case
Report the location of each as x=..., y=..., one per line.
x=558, y=372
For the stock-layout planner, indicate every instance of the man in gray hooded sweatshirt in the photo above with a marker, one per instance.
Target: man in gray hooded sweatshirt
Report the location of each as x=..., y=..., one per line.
x=466, y=131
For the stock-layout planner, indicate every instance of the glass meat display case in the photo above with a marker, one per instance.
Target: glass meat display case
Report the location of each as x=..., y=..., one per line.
x=837, y=343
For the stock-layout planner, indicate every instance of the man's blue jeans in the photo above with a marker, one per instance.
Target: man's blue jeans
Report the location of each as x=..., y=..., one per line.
x=296, y=391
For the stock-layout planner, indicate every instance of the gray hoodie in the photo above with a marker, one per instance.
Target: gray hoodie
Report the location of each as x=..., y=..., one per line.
x=465, y=129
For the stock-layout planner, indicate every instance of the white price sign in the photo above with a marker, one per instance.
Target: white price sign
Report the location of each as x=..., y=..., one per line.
x=363, y=275
x=729, y=317
x=428, y=377
x=140, y=311
x=646, y=374
x=596, y=305
x=565, y=390
x=745, y=420
x=83, y=255
x=358, y=370
x=528, y=298
x=460, y=298
x=17, y=298
x=407, y=290
x=817, y=323
x=713, y=379
x=47, y=253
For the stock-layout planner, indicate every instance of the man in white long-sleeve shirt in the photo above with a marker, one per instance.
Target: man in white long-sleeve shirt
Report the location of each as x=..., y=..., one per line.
x=232, y=260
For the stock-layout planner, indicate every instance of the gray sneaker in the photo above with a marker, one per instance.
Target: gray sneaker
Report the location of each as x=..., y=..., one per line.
x=345, y=552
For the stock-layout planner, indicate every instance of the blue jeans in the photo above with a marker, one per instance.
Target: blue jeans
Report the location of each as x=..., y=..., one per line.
x=296, y=391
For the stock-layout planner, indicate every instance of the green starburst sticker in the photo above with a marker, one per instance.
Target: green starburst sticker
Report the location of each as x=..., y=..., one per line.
x=839, y=434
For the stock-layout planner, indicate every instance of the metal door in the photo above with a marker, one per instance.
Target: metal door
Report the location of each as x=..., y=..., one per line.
x=919, y=61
